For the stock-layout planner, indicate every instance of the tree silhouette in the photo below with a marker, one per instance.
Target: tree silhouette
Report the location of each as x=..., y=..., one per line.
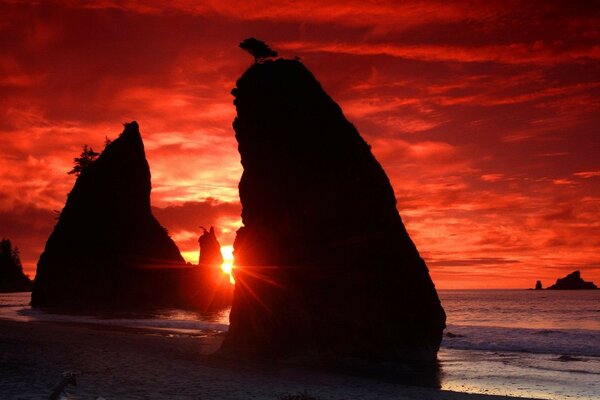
x=85, y=159
x=12, y=277
x=9, y=253
x=258, y=49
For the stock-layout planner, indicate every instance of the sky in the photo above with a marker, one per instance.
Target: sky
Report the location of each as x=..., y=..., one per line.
x=484, y=114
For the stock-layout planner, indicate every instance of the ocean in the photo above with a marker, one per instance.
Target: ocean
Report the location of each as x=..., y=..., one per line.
x=526, y=343
x=542, y=344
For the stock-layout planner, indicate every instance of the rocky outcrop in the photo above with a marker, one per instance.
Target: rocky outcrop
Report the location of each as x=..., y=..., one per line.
x=107, y=248
x=538, y=285
x=12, y=278
x=324, y=264
x=214, y=289
x=573, y=281
x=210, y=250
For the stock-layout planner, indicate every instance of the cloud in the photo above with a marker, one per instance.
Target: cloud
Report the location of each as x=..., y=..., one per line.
x=191, y=215
x=183, y=221
x=517, y=53
x=492, y=177
x=477, y=112
x=587, y=174
x=345, y=12
x=474, y=262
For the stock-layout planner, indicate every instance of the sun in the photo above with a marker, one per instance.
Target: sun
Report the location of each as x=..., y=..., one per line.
x=227, y=266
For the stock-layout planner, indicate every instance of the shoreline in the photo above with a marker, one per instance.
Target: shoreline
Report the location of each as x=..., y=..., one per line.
x=132, y=363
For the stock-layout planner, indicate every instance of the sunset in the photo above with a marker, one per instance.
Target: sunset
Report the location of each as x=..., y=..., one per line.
x=227, y=265
x=483, y=116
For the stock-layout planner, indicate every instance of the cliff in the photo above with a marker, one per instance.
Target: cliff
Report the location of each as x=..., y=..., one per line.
x=12, y=278
x=106, y=236
x=323, y=262
x=573, y=281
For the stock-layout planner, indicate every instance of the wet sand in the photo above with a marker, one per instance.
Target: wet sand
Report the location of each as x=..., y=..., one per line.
x=116, y=363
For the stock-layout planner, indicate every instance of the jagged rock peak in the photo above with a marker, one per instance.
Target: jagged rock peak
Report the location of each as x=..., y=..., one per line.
x=131, y=128
x=210, y=249
x=105, y=230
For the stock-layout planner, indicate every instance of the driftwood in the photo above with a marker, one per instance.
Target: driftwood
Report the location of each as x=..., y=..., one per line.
x=68, y=378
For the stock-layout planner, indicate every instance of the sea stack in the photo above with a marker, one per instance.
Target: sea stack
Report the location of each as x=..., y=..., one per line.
x=213, y=289
x=210, y=250
x=573, y=281
x=538, y=285
x=324, y=264
x=105, y=234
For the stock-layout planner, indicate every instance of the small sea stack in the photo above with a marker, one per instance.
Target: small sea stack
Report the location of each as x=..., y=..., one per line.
x=573, y=281
x=210, y=250
x=324, y=264
x=213, y=289
x=538, y=285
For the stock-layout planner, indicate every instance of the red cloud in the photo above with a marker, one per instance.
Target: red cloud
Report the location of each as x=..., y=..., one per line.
x=516, y=53
x=474, y=112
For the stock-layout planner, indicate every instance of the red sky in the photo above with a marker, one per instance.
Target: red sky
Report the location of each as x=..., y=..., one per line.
x=485, y=115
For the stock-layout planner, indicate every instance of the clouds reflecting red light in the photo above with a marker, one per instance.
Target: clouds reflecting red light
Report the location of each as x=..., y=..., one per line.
x=485, y=116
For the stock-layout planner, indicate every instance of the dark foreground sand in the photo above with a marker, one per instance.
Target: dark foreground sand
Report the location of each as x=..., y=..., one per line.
x=133, y=364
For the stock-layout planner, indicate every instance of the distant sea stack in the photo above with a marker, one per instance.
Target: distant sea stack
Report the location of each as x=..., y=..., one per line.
x=213, y=288
x=573, y=281
x=538, y=285
x=12, y=278
x=210, y=250
x=324, y=264
x=106, y=234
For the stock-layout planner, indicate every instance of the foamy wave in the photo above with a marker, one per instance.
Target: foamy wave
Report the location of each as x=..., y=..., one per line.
x=199, y=326
x=188, y=326
x=574, y=342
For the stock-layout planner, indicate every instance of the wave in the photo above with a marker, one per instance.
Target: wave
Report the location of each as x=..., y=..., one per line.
x=569, y=342
x=188, y=326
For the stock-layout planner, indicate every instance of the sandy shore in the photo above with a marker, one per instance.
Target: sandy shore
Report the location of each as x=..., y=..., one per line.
x=114, y=363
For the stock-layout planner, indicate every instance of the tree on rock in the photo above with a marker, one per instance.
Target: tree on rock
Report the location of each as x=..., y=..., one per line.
x=258, y=49
x=85, y=159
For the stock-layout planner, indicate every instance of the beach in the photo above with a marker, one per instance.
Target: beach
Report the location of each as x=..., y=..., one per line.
x=513, y=343
x=120, y=363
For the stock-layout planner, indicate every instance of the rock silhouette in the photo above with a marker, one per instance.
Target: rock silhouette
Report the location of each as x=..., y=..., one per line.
x=213, y=290
x=106, y=236
x=324, y=264
x=573, y=281
x=12, y=278
x=538, y=285
x=210, y=249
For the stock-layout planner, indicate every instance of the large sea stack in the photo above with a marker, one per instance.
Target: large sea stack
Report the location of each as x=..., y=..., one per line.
x=107, y=242
x=324, y=264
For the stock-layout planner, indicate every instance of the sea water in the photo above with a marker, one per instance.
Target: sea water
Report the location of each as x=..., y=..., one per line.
x=542, y=344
